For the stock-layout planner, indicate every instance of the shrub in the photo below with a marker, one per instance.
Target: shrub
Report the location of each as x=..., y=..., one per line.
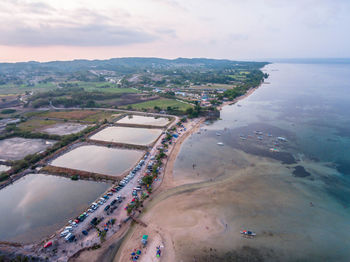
x=8, y=111
x=3, y=177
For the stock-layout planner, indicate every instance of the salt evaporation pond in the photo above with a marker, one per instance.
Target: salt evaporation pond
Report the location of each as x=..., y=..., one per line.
x=144, y=120
x=37, y=205
x=99, y=159
x=128, y=135
x=4, y=168
x=16, y=148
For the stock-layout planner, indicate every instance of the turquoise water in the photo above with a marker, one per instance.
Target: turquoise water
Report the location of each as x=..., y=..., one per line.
x=298, y=189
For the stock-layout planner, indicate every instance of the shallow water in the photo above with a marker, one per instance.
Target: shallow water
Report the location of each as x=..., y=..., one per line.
x=144, y=120
x=36, y=205
x=99, y=159
x=298, y=216
x=128, y=135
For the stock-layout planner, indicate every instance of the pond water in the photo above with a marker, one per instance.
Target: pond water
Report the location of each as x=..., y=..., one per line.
x=37, y=205
x=144, y=120
x=99, y=159
x=128, y=135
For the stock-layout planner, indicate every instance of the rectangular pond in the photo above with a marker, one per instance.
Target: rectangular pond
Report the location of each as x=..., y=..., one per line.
x=16, y=148
x=99, y=159
x=37, y=205
x=128, y=135
x=144, y=120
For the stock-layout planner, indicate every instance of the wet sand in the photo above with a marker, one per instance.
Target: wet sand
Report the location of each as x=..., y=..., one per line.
x=199, y=210
x=205, y=218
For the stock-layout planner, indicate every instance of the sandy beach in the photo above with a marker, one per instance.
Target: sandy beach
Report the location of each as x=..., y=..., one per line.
x=162, y=228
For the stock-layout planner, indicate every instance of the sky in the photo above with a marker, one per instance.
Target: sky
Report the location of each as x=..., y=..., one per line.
x=46, y=30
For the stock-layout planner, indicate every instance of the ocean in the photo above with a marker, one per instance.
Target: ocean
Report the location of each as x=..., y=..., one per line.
x=283, y=171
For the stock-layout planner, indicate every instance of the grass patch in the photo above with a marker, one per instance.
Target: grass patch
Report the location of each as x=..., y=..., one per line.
x=162, y=103
x=112, y=90
x=103, y=87
x=8, y=111
x=212, y=86
x=91, y=116
x=20, y=89
x=35, y=124
x=100, y=116
x=67, y=115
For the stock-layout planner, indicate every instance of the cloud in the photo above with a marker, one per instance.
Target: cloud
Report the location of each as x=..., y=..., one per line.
x=82, y=35
x=39, y=24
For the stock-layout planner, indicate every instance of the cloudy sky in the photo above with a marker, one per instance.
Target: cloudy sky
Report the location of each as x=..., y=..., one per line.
x=44, y=30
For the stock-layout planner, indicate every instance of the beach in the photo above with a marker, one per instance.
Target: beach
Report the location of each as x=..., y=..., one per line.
x=163, y=196
x=294, y=199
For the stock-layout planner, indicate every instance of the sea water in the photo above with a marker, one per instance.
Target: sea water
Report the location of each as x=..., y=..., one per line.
x=285, y=163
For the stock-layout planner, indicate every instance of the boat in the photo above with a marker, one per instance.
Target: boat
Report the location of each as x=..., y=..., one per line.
x=282, y=139
x=218, y=134
x=220, y=144
x=248, y=233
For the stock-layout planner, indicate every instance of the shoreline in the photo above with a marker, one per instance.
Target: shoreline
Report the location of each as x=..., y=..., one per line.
x=237, y=99
x=166, y=183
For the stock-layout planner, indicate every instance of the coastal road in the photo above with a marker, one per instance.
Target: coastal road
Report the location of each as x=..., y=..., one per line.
x=66, y=249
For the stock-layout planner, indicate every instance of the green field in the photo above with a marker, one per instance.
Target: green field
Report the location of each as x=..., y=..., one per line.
x=35, y=124
x=91, y=116
x=97, y=86
x=162, y=103
x=20, y=89
x=100, y=116
x=88, y=86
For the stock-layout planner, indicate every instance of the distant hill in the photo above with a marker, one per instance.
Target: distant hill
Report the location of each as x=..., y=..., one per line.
x=124, y=65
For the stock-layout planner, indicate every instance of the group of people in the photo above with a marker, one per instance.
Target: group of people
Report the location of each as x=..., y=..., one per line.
x=159, y=252
x=135, y=255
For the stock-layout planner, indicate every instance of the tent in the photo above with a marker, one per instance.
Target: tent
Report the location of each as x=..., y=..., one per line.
x=144, y=239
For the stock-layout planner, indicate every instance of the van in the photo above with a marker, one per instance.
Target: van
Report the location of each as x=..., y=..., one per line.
x=69, y=228
x=71, y=238
x=64, y=233
x=68, y=236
